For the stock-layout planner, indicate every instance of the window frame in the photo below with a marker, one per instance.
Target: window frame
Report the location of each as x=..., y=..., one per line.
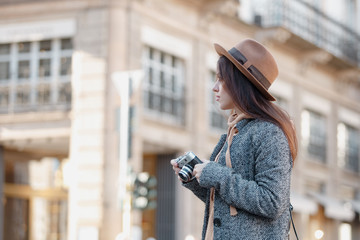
x=343, y=158
x=307, y=138
x=164, y=80
x=32, y=91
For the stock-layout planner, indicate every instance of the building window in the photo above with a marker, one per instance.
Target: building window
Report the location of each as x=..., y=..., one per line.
x=4, y=63
x=65, y=66
x=218, y=119
x=44, y=68
x=35, y=75
x=164, y=85
x=45, y=52
x=22, y=97
x=4, y=71
x=4, y=97
x=35, y=199
x=24, y=69
x=24, y=47
x=23, y=61
x=348, y=141
x=314, y=135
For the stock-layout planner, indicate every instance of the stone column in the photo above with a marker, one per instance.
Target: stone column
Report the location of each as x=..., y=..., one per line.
x=87, y=130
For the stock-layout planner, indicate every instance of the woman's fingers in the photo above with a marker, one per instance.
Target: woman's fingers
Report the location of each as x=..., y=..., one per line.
x=175, y=166
x=198, y=169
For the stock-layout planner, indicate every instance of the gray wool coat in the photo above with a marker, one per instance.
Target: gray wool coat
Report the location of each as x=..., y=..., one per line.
x=257, y=185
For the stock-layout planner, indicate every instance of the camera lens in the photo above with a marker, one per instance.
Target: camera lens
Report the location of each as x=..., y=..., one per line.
x=186, y=173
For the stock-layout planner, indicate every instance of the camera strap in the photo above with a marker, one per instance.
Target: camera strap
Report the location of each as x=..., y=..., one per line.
x=291, y=208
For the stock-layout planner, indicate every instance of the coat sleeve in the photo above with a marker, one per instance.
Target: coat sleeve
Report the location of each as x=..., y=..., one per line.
x=199, y=191
x=268, y=194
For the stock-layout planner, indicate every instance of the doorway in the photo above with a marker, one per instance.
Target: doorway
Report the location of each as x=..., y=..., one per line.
x=160, y=222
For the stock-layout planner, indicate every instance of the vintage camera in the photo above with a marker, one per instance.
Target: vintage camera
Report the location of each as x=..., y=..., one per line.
x=187, y=163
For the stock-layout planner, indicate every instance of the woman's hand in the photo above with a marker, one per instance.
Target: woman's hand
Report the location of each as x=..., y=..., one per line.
x=175, y=166
x=198, y=169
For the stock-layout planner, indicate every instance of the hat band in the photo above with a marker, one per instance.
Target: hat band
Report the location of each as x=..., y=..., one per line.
x=252, y=69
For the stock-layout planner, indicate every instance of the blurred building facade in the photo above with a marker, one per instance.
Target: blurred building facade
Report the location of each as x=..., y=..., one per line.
x=64, y=71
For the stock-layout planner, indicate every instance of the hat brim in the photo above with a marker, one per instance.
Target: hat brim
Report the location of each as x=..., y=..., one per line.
x=222, y=52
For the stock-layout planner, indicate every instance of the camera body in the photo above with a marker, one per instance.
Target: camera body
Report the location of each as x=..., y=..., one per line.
x=187, y=163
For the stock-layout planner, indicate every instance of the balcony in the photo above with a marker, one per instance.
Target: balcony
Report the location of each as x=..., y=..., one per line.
x=25, y=97
x=311, y=24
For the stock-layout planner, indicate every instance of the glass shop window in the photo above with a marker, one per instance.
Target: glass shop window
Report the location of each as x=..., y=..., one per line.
x=35, y=199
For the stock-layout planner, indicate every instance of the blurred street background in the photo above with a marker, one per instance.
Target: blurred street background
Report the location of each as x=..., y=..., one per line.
x=97, y=96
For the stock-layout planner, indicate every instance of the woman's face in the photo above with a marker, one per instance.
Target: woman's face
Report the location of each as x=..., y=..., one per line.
x=222, y=96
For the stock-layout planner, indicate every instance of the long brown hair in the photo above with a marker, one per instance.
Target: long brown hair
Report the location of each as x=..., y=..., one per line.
x=252, y=102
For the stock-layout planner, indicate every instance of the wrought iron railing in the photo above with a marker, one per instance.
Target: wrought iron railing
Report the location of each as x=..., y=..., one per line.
x=311, y=24
x=35, y=97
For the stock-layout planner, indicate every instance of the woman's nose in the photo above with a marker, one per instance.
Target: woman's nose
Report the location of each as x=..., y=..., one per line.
x=216, y=87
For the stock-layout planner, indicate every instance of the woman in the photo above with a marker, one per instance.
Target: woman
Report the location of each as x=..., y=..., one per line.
x=246, y=183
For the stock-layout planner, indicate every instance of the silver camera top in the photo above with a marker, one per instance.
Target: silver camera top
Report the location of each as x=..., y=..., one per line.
x=185, y=159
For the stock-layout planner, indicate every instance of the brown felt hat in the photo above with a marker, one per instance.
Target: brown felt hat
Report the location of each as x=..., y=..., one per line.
x=255, y=62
